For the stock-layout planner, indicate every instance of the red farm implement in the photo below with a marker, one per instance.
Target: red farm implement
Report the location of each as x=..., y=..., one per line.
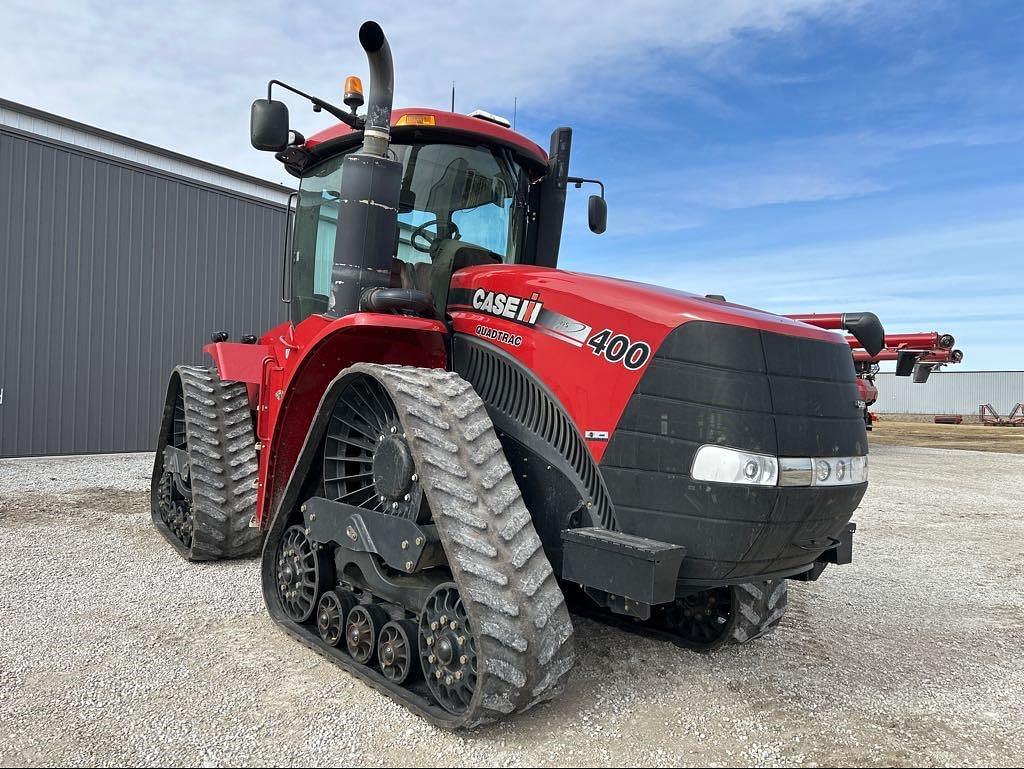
x=917, y=354
x=989, y=416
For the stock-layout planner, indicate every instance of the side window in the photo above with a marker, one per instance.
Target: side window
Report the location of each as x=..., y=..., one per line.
x=312, y=255
x=323, y=256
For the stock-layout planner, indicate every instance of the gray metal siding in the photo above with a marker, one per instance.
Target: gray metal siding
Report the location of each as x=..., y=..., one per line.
x=110, y=274
x=950, y=392
x=43, y=124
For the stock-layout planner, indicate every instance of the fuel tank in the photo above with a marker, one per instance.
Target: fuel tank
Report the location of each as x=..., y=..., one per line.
x=624, y=382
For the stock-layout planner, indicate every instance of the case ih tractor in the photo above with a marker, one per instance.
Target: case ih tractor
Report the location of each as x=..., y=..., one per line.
x=451, y=440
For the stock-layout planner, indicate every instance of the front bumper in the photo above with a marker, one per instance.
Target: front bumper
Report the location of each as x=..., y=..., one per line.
x=630, y=575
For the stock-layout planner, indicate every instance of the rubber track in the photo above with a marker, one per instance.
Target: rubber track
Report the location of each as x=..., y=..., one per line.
x=515, y=606
x=513, y=600
x=758, y=608
x=223, y=466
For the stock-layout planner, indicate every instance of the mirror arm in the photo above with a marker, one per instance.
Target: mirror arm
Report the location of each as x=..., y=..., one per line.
x=579, y=181
x=353, y=121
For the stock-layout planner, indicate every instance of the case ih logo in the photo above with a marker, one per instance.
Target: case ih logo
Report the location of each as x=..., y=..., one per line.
x=508, y=305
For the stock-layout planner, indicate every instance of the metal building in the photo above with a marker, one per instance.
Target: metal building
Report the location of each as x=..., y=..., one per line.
x=950, y=392
x=117, y=260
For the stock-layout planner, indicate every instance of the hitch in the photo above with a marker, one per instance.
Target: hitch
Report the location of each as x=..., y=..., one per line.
x=840, y=555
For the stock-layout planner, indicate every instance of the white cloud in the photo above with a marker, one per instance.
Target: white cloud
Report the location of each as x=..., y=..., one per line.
x=750, y=189
x=182, y=75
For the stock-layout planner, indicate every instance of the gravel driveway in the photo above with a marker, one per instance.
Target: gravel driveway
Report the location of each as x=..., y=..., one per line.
x=115, y=651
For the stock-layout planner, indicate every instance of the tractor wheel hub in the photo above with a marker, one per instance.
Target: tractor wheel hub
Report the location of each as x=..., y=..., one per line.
x=445, y=650
x=393, y=467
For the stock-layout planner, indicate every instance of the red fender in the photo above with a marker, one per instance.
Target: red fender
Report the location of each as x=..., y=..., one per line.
x=289, y=370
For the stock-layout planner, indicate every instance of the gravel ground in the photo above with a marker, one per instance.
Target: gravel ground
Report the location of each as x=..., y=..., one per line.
x=115, y=651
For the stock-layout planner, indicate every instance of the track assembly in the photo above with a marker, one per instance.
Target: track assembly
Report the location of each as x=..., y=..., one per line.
x=205, y=469
x=422, y=520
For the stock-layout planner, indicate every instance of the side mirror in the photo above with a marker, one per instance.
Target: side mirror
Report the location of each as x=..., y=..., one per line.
x=268, y=125
x=597, y=214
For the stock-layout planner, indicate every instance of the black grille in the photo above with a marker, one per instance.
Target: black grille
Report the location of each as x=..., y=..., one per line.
x=514, y=397
x=727, y=385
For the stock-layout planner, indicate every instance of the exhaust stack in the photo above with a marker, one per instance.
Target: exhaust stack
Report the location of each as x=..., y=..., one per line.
x=367, y=230
x=377, y=131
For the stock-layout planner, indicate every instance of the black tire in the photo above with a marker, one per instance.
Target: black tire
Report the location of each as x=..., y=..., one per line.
x=223, y=467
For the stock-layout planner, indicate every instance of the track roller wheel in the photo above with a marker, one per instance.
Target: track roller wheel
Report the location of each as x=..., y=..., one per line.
x=361, y=630
x=331, y=613
x=302, y=571
x=448, y=649
x=397, y=651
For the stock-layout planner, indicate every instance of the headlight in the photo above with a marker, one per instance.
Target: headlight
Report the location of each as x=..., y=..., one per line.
x=719, y=464
x=840, y=471
x=722, y=465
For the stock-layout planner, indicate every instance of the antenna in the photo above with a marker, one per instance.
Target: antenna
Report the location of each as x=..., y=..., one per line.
x=453, y=96
x=515, y=108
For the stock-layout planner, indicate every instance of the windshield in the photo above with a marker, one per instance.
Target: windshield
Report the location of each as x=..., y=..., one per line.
x=458, y=205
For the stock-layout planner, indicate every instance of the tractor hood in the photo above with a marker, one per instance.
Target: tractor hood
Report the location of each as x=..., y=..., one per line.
x=597, y=302
x=573, y=330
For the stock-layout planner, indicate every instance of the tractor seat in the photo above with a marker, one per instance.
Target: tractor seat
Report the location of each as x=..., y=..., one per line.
x=418, y=276
x=451, y=256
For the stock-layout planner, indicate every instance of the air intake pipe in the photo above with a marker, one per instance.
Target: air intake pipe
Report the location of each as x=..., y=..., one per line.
x=367, y=228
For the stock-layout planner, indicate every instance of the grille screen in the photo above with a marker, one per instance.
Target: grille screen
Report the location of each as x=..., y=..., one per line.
x=513, y=395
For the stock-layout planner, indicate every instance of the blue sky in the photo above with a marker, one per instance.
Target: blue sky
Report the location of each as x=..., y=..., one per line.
x=797, y=155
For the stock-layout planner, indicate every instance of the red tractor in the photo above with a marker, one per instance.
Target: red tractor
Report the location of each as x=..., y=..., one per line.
x=451, y=440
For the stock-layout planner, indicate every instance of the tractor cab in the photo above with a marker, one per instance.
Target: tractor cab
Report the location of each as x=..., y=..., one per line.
x=460, y=204
x=471, y=191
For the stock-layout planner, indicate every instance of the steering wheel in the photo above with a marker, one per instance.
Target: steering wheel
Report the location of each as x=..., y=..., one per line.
x=430, y=237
